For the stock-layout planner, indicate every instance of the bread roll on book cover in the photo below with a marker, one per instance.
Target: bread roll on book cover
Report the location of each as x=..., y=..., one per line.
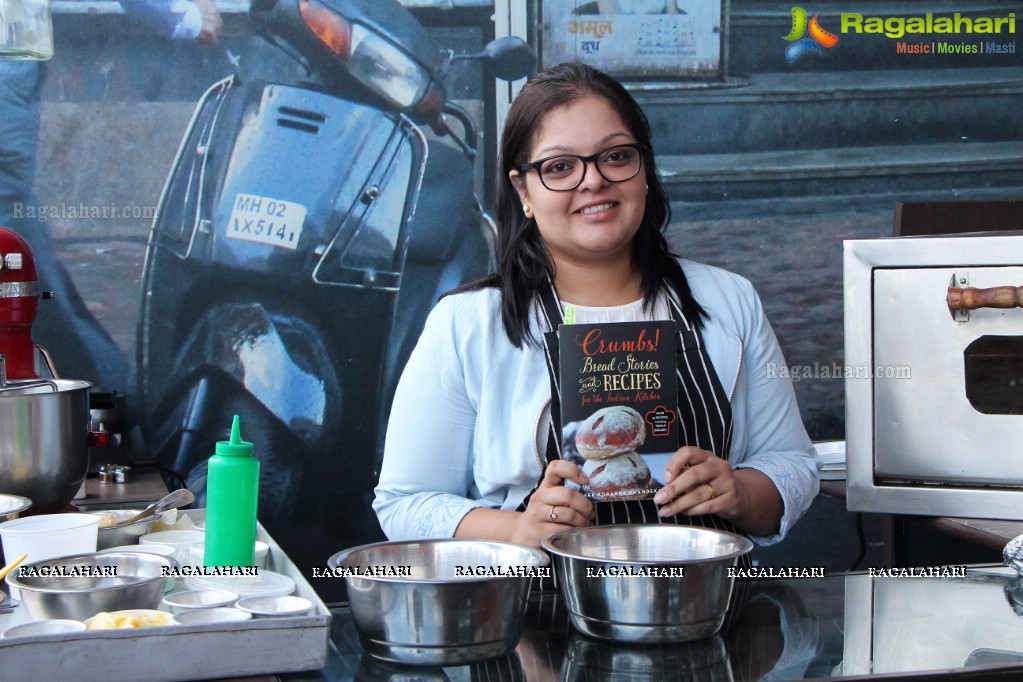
x=619, y=398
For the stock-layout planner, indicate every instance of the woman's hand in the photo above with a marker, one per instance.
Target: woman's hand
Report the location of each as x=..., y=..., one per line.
x=553, y=505
x=698, y=482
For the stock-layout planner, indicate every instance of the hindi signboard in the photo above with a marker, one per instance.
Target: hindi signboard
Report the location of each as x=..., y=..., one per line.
x=635, y=38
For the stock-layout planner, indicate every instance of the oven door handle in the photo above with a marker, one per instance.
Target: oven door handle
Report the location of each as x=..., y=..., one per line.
x=972, y=298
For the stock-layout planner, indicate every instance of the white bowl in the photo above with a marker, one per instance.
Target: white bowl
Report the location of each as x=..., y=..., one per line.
x=162, y=550
x=180, y=540
x=47, y=536
x=197, y=550
x=275, y=607
x=179, y=602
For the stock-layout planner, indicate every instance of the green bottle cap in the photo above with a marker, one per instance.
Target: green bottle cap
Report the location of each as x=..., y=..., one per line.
x=236, y=447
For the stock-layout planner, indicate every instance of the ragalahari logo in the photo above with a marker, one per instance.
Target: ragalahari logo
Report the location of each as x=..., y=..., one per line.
x=801, y=44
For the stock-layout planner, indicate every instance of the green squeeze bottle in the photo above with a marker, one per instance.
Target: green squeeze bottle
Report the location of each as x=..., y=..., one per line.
x=232, y=490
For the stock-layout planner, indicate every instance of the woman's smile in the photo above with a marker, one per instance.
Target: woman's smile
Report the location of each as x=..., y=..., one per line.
x=597, y=208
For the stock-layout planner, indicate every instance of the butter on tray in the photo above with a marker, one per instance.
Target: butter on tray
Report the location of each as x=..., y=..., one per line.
x=172, y=519
x=129, y=618
x=107, y=520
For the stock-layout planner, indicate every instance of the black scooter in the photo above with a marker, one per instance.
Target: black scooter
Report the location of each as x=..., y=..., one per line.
x=307, y=227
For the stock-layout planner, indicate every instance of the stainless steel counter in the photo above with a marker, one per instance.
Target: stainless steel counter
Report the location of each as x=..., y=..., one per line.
x=850, y=627
x=145, y=486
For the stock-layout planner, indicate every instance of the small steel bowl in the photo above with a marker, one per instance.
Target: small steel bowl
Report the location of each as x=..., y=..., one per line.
x=275, y=607
x=438, y=602
x=219, y=614
x=179, y=602
x=646, y=583
x=115, y=536
x=104, y=582
x=44, y=627
x=12, y=505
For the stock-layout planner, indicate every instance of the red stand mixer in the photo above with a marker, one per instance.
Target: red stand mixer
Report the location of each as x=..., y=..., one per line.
x=44, y=420
x=19, y=297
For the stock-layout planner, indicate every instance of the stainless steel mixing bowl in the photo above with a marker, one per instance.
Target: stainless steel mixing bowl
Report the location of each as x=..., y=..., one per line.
x=44, y=448
x=445, y=602
x=80, y=586
x=649, y=584
x=119, y=536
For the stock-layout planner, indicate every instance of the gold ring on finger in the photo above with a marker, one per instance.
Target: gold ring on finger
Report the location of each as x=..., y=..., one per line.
x=713, y=493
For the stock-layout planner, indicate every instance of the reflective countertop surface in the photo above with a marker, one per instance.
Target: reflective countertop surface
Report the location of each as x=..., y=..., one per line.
x=851, y=626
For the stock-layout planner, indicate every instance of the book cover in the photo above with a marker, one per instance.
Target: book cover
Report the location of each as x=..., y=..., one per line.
x=619, y=397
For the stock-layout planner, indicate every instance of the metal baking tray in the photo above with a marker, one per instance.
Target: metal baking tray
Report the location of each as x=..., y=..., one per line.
x=179, y=652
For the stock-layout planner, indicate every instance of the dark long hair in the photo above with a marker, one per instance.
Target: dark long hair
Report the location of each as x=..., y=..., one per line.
x=524, y=265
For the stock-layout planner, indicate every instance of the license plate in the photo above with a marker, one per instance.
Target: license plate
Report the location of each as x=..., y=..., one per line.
x=266, y=220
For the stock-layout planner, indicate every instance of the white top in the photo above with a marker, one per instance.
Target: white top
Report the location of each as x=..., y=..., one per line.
x=630, y=312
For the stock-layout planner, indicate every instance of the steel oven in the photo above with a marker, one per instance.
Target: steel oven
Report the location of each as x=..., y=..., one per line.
x=934, y=375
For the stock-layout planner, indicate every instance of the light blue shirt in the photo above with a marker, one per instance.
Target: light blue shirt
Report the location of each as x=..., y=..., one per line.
x=468, y=418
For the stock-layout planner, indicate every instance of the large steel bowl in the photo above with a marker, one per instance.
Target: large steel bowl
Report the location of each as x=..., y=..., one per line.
x=44, y=448
x=455, y=602
x=646, y=583
x=111, y=581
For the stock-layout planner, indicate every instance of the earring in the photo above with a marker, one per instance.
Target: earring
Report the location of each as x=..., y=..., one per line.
x=527, y=210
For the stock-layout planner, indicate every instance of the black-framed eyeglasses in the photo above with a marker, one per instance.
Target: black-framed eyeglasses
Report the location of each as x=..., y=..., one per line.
x=565, y=172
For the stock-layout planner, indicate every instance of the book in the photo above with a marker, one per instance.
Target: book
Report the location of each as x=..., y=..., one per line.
x=619, y=402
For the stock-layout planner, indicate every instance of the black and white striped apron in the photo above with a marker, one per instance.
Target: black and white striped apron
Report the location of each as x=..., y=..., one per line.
x=705, y=419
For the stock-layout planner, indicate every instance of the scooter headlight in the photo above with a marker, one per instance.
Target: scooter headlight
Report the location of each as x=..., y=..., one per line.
x=373, y=60
x=385, y=68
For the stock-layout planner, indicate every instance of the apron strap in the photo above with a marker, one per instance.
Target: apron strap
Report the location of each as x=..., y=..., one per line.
x=550, y=312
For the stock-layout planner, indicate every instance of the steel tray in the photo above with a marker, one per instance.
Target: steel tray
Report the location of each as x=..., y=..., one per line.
x=179, y=652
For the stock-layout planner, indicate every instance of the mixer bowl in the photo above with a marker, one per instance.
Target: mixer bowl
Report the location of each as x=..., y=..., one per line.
x=428, y=611
x=646, y=584
x=12, y=505
x=44, y=452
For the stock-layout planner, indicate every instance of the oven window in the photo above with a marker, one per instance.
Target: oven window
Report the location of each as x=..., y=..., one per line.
x=994, y=374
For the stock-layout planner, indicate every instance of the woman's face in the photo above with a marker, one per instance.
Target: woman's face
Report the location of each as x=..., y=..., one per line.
x=597, y=220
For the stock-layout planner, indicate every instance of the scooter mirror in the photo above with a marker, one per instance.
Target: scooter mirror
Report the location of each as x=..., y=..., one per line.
x=509, y=58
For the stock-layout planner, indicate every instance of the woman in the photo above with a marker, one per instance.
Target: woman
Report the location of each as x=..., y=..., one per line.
x=581, y=214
